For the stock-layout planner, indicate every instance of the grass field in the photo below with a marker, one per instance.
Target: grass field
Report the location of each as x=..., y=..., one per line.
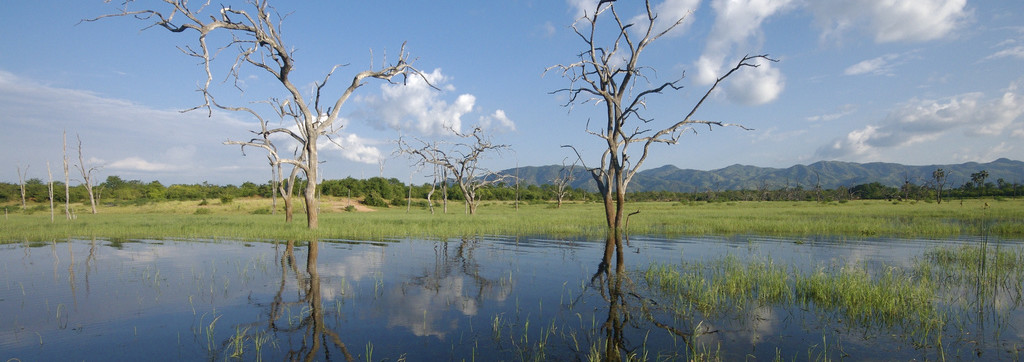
x=250, y=219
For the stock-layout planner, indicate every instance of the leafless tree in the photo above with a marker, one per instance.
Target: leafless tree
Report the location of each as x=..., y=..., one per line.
x=86, y=176
x=255, y=34
x=67, y=180
x=563, y=180
x=612, y=73
x=49, y=187
x=461, y=159
x=939, y=175
x=21, y=181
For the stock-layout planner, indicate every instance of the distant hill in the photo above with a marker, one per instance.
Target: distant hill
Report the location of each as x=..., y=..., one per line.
x=830, y=175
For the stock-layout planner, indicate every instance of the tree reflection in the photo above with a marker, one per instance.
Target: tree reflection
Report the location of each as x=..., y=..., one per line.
x=317, y=336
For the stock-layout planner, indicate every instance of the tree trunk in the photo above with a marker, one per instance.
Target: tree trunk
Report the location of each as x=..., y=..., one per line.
x=312, y=165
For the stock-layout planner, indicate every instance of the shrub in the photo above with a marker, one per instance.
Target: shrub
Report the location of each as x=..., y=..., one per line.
x=224, y=200
x=350, y=208
x=261, y=211
x=374, y=200
x=203, y=211
x=204, y=203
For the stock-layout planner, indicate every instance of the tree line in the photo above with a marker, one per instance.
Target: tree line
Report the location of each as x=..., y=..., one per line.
x=384, y=192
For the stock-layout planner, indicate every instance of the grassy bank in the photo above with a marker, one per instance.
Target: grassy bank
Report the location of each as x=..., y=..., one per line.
x=250, y=219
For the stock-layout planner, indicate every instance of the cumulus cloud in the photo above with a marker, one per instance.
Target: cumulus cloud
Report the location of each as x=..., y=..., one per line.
x=754, y=86
x=890, y=21
x=738, y=25
x=416, y=106
x=923, y=120
x=355, y=148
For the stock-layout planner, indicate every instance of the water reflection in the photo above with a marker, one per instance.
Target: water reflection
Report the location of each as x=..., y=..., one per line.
x=502, y=298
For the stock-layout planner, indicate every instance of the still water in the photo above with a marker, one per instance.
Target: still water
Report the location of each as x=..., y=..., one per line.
x=486, y=298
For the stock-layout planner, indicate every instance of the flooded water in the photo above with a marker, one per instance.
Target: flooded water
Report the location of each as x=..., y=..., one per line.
x=488, y=298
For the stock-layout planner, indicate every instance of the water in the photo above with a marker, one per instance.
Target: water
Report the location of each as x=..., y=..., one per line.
x=489, y=298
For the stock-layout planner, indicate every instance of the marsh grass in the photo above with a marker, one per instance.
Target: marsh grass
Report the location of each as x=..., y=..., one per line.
x=244, y=219
x=946, y=290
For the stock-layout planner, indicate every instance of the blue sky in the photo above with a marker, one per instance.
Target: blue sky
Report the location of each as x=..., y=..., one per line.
x=916, y=82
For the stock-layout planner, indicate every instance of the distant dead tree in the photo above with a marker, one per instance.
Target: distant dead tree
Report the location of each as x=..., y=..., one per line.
x=67, y=180
x=611, y=73
x=563, y=181
x=460, y=159
x=21, y=182
x=49, y=188
x=254, y=33
x=86, y=175
x=939, y=175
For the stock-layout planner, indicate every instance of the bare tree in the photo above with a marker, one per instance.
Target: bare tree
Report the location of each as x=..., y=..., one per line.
x=612, y=74
x=49, y=188
x=563, y=180
x=255, y=34
x=461, y=159
x=86, y=176
x=939, y=175
x=21, y=181
x=67, y=180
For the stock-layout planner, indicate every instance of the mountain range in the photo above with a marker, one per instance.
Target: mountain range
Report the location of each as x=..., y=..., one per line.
x=827, y=174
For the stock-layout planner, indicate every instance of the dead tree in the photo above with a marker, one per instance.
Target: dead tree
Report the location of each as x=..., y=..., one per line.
x=461, y=159
x=67, y=180
x=86, y=176
x=49, y=188
x=255, y=34
x=563, y=181
x=611, y=73
x=939, y=175
x=21, y=181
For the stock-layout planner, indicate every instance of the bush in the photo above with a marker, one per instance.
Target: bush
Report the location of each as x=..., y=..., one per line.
x=261, y=211
x=224, y=200
x=374, y=200
x=203, y=211
x=398, y=201
x=350, y=208
x=204, y=203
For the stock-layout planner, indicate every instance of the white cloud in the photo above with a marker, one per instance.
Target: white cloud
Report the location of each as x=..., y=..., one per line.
x=498, y=122
x=668, y=13
x=143, y=142
x=882, y=65
x=843, y=111
x=924, y=120
x=891, y=21
x=738, y=26
x=754, y=86
x=1013, y=52
x=582, y=7
x=355, y=148
x=416, y=106
x=736, y=22
x=139, y=164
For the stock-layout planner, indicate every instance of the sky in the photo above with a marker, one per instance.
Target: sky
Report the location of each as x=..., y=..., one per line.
x=918, y=82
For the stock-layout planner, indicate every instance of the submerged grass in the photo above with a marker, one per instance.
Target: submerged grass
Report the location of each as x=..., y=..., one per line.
x=240, y=220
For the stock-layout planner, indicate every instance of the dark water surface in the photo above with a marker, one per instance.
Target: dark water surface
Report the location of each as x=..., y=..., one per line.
x=488, y=298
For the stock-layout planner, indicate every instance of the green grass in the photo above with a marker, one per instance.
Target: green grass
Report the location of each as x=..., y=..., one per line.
x=249, y=219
